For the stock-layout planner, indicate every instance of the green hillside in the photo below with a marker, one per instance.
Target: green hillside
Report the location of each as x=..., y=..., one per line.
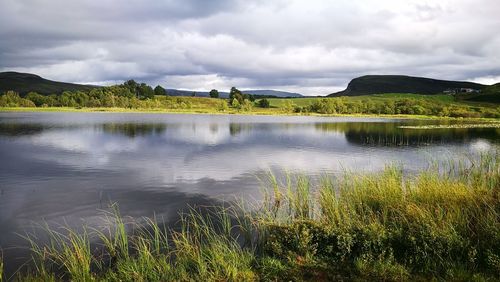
x=24, y=83
x=377, y=84
x=489, y=94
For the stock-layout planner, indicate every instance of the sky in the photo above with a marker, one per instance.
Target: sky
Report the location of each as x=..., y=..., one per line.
x=311, y=47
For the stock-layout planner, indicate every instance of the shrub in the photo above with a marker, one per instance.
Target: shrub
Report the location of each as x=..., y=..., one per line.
x=246, y=105
x=263, y=103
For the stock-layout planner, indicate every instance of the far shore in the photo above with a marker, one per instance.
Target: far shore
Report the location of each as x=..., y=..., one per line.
x=262, y=112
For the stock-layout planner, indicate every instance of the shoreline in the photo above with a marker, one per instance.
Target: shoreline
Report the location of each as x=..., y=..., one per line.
x=263, y=112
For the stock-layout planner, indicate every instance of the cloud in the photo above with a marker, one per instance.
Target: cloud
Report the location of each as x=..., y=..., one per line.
x=313, y=47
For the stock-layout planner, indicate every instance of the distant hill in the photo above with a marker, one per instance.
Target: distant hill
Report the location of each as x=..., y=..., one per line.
x=379, y=84
x=26, y=82
x=177, y=92
x=262, y=93
x=275, y=93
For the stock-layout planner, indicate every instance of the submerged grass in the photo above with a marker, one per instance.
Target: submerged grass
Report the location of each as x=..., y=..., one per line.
x=448, y=126
x=231, y=111
x=441, y=223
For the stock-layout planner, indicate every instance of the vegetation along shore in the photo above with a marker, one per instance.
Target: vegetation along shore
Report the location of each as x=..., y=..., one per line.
x=118, y=99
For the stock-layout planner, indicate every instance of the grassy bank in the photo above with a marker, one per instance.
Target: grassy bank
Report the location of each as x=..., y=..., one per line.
x=442, y=223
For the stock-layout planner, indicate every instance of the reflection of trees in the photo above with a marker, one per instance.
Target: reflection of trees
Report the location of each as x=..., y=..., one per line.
x=234, y=128
x=127, y=129
x=388, y=134
x=238, y=128
x=214, y=127
x=134, y=129
x=18, y=129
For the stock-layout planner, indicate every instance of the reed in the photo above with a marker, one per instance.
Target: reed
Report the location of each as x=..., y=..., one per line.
x=1, y=267
x=438, y=223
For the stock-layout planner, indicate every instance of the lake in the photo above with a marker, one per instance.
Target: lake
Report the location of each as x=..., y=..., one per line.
x=67, y=167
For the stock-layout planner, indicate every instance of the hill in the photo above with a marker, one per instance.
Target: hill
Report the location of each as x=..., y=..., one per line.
x=26, y=82
x=259, y=93
x=177, y=92
x=489, y=94
x=379, y=84
x=275, y=93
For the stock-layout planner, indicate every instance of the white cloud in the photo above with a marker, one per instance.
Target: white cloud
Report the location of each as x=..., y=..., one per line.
x=487, y=79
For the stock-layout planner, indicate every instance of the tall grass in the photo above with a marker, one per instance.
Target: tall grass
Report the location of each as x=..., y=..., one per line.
x=1, y=267
x=442, y=223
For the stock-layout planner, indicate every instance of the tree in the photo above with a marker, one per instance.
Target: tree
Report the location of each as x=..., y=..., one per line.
x=36, y=98
x=141, y=91
x=249, y=97
x=214, y=93
x=66, y=99
x=160, y=91
x=122, y=91
x=235, y=103
x=146, y=91
x=235, y=94
x=264, y=103
x=132, y=86
x=12, y=99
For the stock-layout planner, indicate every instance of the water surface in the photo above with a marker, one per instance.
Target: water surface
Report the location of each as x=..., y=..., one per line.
x=58, y=167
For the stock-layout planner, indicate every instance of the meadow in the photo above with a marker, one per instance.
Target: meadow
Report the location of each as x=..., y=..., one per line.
x=439, y=223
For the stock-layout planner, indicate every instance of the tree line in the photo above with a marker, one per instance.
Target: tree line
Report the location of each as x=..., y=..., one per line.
x=391, y=106
x=134, y=95
x=130, y=94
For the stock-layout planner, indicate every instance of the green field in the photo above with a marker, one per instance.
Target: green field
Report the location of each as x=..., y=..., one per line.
x=278, y=102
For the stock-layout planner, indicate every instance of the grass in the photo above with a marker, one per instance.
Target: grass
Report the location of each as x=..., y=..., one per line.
x=441, y=223
x=278, y=102
x=441, y=98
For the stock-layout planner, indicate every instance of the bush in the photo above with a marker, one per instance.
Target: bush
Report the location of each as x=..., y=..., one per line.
x=246, y=106
x=263, y=103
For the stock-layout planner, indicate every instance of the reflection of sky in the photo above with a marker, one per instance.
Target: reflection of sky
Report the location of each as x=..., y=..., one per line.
x=189, y=152
x=73, y=163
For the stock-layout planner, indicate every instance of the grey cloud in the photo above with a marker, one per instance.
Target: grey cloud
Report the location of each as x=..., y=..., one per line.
x=308, y=46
